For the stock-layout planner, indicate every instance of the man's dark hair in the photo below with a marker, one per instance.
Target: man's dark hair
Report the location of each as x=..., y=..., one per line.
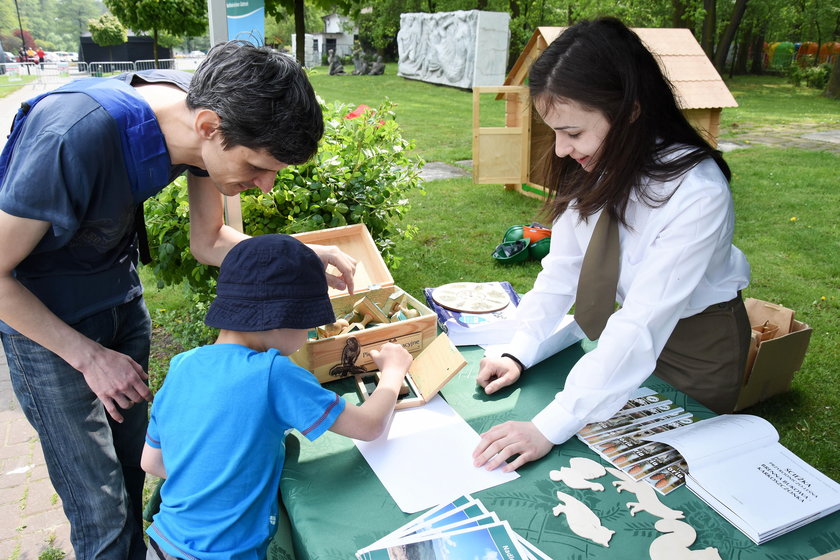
x=603, y=65
x=263, y=98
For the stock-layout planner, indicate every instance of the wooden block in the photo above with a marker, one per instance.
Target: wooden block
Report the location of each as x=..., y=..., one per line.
x=365, y=306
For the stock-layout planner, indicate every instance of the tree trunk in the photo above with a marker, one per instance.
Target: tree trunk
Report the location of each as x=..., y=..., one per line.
x=707, y=40
x=677, y=13
x=833, y=89
x=729, y=33
x=740, y=65
x=154, y=46
x=481, y=5
x=300, y=33
x=757, y=65
x=514, y=9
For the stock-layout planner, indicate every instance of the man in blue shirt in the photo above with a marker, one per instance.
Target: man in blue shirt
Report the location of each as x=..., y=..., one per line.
x=72, y=319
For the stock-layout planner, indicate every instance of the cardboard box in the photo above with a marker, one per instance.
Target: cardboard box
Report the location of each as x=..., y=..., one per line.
x=777, y=349
x=342, y=355
x=429, y=372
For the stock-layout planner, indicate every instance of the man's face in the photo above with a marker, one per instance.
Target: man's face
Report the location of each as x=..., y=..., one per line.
x=239, y=168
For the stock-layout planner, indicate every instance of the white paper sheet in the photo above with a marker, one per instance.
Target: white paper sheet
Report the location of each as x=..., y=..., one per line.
x=425, y=458
x=565, y=334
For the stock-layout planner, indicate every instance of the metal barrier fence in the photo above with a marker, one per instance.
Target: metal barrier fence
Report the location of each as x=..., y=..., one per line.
x=103, y=68
x=49, y=74
x=163, y=64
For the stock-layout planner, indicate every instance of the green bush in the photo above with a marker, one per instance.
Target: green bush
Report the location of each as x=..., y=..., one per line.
x=361, y=174
x=813, y=76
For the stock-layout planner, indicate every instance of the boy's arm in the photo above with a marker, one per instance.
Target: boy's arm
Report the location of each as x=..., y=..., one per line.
x=152, y=461
x=368, y=421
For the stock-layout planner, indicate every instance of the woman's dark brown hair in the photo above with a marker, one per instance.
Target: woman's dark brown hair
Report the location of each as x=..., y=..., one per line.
x=602, y=65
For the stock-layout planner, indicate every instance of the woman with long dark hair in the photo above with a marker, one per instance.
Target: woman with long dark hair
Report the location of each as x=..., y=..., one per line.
x=643, y=217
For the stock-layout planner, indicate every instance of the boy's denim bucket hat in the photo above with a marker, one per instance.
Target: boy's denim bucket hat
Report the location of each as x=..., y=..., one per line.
x=270, y=281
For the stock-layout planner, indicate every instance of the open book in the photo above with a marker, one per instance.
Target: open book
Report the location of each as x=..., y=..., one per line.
x=737, y=466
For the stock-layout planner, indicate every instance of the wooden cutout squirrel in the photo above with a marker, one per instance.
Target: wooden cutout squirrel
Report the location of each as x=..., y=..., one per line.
x=673, y=545
x=582, y=520
x=648, y=500
x=578, y=473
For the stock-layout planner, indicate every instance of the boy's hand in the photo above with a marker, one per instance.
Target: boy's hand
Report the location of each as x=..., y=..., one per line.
x=392, y=360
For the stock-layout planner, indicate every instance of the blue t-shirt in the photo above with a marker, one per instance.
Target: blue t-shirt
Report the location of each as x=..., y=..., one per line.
x=68, y=169
x=220, y=421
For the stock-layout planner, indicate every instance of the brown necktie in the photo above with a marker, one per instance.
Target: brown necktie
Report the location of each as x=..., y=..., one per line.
x=598, y=280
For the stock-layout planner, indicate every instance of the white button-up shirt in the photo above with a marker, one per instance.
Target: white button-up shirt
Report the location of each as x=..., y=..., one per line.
x=676, y=260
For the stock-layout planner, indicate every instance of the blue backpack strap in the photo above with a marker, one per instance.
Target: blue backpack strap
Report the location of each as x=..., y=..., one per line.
x=143, y=146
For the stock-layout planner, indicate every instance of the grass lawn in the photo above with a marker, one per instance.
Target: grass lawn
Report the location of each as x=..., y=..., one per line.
x=795, y=262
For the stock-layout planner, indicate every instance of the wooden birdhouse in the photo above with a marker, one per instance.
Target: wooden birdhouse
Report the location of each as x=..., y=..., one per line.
x=508, y=155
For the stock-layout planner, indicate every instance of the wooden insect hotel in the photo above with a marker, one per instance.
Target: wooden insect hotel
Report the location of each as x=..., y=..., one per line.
x=508, y=155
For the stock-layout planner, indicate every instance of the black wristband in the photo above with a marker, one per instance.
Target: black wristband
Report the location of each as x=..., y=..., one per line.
x=515, y=359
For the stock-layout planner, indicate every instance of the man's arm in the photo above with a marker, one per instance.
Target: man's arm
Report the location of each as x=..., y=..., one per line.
x=115, y=378
x=210, y=237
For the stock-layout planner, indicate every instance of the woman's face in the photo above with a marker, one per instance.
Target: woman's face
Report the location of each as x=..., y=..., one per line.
x=578, y=132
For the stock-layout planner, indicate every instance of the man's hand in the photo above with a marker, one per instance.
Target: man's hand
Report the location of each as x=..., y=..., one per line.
x=346, y=265
x=502, y=442
x=116, y=379
x=495, y=373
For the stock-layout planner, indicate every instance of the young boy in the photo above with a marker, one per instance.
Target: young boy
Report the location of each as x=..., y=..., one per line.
x=218, y=424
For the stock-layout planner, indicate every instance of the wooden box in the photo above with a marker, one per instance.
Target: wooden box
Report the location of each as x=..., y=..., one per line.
x=772, y=359
x=429, y=372
x=343, y=355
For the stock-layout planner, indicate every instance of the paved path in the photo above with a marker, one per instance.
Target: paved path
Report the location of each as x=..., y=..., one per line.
x=31, y=517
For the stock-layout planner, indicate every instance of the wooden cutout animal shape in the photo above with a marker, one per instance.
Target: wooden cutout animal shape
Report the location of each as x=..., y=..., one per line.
x=578, y=473
x=582, y=520
x=648, y=500
x=673, y=545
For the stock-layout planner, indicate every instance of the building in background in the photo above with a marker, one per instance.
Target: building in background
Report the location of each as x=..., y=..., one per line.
x=339, y=34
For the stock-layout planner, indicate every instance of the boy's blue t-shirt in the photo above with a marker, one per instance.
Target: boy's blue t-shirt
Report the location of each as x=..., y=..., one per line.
x=220, y=420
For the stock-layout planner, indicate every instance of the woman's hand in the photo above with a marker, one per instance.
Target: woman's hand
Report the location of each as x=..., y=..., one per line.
x=500, y=443
x=495, y=373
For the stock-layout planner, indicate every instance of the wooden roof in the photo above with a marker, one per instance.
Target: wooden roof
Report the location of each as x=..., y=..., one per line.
x=696, y=82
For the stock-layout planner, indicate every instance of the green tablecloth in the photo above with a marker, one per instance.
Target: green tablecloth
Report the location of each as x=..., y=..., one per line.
x=336, y=505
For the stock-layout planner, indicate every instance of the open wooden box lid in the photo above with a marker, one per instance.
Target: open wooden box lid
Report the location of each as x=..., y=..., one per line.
x=356, y=241
x=435, y=366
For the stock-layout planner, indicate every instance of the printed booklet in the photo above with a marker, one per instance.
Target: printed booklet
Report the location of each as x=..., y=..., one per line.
x=463, y=528
x=738, y=467
x=622, y=439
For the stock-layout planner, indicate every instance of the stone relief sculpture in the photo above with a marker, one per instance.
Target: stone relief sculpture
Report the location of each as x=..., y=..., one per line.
x=454, y=48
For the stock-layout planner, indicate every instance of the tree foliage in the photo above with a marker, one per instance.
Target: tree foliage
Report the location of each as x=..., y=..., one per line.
x=725, y=28
x=53, y=24
x=173, y=17
x=106, y=30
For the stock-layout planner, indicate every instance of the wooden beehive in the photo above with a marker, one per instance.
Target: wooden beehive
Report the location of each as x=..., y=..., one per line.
x=509, y=154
